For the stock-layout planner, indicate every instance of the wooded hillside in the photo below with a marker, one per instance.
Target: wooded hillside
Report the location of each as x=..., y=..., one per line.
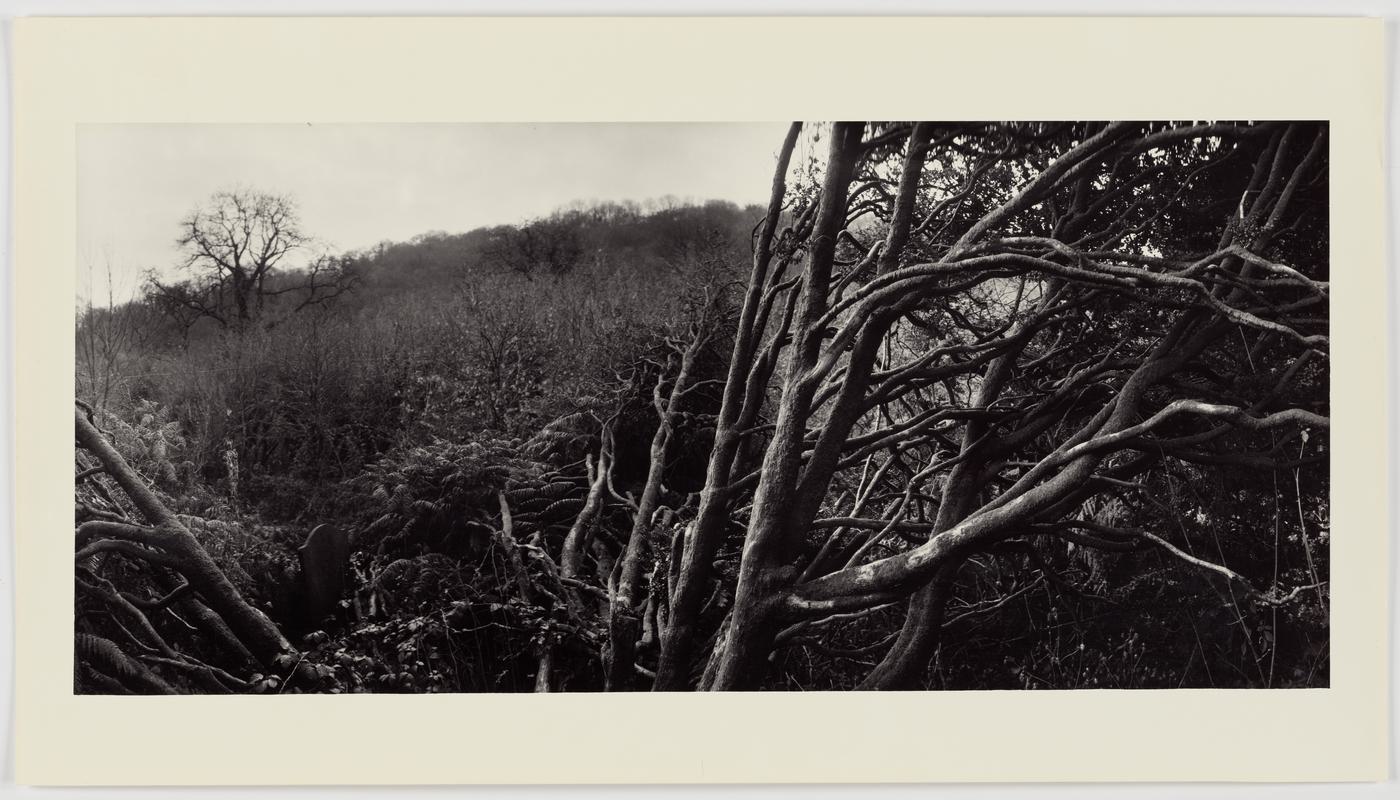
x=965, y=406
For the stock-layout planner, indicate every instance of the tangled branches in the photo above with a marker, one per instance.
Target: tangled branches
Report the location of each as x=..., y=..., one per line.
x=124, y=638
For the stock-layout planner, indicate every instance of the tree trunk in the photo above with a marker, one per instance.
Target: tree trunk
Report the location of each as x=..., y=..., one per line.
x=185, y=555
x=624, y=615
x=903, y=667
x=762, y=570
x=705, y=535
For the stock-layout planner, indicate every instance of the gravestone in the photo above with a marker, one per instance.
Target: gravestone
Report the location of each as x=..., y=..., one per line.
x=323, y=557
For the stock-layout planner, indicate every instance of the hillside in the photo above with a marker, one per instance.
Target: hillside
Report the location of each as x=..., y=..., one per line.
x=979, y=405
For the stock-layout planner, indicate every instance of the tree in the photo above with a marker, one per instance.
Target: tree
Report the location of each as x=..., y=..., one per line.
x=236, y=246
x=106, y=337
x=978, y=375
x=974, y=333
x=140, y=530
x=551, y=245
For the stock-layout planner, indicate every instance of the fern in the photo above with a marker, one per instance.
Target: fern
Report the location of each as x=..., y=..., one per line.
x=104, y=656
x=568, y=506
x=558, y=489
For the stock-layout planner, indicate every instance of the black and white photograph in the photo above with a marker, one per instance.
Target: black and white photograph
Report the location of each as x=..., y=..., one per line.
x=819, y=406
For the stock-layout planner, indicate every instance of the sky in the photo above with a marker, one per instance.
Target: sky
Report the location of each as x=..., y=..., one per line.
x=357, y=185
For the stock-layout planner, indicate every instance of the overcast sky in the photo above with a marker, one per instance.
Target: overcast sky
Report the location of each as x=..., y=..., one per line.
x=357, y=185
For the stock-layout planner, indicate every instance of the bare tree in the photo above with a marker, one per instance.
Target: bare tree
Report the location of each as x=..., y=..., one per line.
x=627, y=605
x=106, y=336
x=236, y=248
x=1050, y=313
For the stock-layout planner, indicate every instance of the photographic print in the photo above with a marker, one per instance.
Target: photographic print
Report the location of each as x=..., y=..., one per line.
x=495, y=384
x=671, y=407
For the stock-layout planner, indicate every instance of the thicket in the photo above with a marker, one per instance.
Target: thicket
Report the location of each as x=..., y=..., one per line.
x=524, y=430
x=400, y=411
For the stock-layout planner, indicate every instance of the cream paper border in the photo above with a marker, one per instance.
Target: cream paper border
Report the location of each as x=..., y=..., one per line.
x=74, y=71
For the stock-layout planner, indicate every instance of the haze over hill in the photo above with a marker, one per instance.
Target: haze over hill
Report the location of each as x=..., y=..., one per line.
x=358, y=185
